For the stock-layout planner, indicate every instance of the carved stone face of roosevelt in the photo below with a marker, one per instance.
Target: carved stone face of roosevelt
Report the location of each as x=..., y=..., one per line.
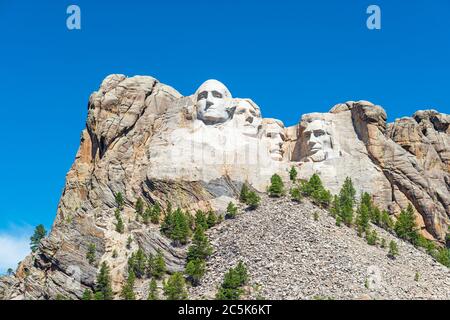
x=212, y=102
x=272, y=134
x=318, y=140
x=248, y=117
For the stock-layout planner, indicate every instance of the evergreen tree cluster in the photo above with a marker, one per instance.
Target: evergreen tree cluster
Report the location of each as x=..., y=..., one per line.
x=250, y=198
x=150, y=214
x=314, y=189
x=197, y=254
x=276, y=187
x=142, y=265
x=177, y=225
x=234, y=280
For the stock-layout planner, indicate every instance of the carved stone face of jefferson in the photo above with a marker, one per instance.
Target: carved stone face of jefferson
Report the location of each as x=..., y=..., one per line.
x=248, y=117
x=212, y=102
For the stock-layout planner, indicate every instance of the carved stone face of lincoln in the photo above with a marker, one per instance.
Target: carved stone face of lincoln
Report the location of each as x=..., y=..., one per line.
x=318, y=140
x=212, y=102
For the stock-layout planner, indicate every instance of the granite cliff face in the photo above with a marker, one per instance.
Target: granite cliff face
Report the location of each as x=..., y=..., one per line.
x=145, y=140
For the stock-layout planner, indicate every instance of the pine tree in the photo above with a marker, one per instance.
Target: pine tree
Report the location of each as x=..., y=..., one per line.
x=119, y=222
x=244, y=192
x=276, y=188
x=129, y=242
x=405, y=226
x=87, y=295
x=127, y=292
x=35, y=239
x=362, y=217
x=347, y=201
x=200, y=248
x=9, y=271
x=90, y=255
x=155, y=214
x=139, y=206
x=393, y=249
x=386, y=221
x=158, y=266
x=253, y=200
x=195, y=269
x=296, y=194
x=138, y=263
x=234, y=279
x=119, y=200
x=212, y=219
x=201, y=220
x=372, y=237
x=231, y=210
x=103, y=287
x=175, y=287
x=153, y=291
x=335, y=209
x=293, y=174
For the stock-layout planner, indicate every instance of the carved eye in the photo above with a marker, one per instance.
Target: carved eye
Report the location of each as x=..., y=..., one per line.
x=216, y=94
x=319, y=133
x=202, y=95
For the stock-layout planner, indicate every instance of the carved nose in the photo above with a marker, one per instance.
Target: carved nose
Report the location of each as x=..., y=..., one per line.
x=249, y=119
x=208, y=104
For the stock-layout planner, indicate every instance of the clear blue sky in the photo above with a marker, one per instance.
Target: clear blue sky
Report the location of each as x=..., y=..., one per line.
x=291, y=57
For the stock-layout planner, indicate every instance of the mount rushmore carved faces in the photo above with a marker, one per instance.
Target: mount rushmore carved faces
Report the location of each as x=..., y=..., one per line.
x=272, y=134
x=317, y=139
x=213, y=99
x=248, y=117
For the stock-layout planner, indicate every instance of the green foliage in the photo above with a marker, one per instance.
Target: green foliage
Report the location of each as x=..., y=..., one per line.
x=372, y=237
x=137, y=263
x=296, y=194
x=9, y=271
x=153, y=291
x=315, y=189
x=38, y=235
x=87, y=295
x=276, y=188
x=201, y=220
x=235, y=278
x=200, y=248
x=129, y=242
x=393, y=249
x=335, y=209
x=175, y=287
x=139, y=206
x=338, y=221
x=253, y=200
x=443, y=256
x=103, y=290
x=362, y=216
x=231, y=211
x=428, y=245
x=316, y=215
x=405, y=226
x=120, y=227
x=293, y=174
x=155, y=214
x=176, y=226
x=119, y=200
x=244, y=192
x=157, y=265
x=212, y=219
x=386, y=221
x=417, y=277
x=347, y=201
x=127, y=292
x=383, y=243
x=114, y=254
x=90, y=255
x=195, y=269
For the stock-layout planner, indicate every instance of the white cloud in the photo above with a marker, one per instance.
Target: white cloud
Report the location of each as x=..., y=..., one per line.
x=14, y=246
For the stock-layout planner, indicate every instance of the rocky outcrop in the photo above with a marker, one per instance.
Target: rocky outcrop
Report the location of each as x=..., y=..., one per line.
x=145, y=140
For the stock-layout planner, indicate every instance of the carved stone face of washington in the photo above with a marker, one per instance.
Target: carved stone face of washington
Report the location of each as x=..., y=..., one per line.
x=212, y=102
